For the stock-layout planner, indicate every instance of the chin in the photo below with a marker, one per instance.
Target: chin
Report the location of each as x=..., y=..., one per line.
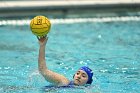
x=76, y=83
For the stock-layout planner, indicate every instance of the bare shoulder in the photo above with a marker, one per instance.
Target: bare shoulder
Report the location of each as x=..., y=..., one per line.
x=64, y=81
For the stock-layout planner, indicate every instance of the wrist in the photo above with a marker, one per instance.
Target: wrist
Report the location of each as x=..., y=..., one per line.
x=42, y=45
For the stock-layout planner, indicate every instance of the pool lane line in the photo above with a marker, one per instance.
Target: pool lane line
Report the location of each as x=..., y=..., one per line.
x=73, y=20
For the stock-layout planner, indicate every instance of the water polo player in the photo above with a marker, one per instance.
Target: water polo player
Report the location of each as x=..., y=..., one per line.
x=82, y=77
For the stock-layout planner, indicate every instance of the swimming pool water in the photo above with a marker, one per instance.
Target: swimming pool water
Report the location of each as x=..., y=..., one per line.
x=111, y=49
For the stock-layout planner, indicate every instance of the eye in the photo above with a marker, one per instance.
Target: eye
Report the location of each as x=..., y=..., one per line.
x=78, y=73
x=83, y=75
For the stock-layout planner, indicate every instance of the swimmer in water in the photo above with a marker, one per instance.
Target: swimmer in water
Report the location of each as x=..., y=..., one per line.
x=82, y=77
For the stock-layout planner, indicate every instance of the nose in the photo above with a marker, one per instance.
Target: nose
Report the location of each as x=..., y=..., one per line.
x=79, y=76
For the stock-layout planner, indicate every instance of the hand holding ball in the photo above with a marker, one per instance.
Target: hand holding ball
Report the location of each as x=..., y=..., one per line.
x=40, y=26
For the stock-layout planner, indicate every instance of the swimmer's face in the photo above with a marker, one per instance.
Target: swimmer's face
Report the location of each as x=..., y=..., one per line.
x=80, y=78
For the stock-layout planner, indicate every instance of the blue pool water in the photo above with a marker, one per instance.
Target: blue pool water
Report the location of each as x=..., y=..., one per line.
x=111, y=49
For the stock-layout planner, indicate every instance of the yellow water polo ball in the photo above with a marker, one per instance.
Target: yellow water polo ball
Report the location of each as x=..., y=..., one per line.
x=40, y=26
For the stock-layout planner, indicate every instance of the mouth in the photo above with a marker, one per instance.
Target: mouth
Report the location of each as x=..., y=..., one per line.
x=78, y=80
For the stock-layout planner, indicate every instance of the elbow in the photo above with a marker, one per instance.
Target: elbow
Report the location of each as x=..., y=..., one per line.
x=42, y=70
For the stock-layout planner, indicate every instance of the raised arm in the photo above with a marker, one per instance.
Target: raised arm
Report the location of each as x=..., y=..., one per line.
x=49, y=75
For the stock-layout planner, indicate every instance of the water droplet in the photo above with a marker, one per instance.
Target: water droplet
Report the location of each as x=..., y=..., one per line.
x=99, y=36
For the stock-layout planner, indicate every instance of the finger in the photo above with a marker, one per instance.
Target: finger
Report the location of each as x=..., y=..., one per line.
x=44, y=36
x=47, y=38
x=38, y=38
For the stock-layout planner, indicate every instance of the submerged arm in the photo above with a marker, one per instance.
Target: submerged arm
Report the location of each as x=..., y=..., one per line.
x=48, y=74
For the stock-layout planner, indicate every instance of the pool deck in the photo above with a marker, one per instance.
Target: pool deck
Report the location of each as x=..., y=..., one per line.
x=65, y=3
x=12, y=8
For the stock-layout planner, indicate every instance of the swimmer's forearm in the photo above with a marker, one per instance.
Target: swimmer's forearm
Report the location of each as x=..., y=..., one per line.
x=41, y=59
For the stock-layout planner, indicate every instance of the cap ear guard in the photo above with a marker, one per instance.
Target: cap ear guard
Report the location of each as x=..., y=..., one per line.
x=73, y=75
x=90, y=81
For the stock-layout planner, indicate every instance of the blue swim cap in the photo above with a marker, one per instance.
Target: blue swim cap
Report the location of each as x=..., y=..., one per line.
x=89, y=73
